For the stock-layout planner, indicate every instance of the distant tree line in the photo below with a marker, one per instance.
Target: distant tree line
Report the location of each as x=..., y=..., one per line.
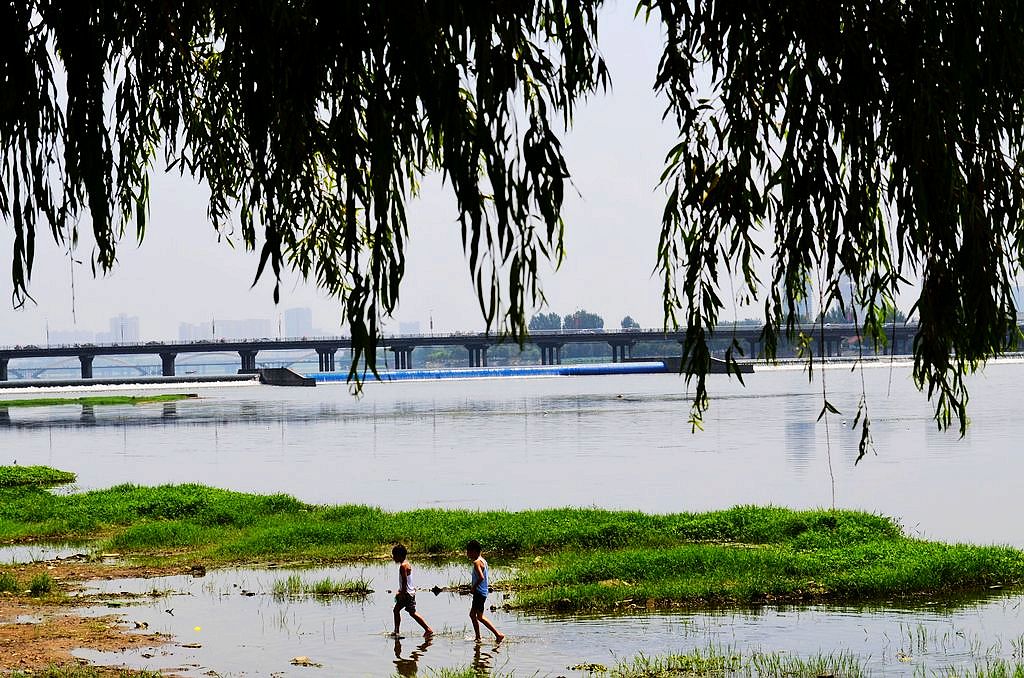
x=579, y=320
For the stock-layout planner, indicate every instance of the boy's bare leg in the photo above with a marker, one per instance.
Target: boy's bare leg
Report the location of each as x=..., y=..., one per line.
x=427, y=631
x=498, y=636
x=476, y=624
x=398, y=619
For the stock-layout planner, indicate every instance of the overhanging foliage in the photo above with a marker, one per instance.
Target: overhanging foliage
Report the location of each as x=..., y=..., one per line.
x=874, y=140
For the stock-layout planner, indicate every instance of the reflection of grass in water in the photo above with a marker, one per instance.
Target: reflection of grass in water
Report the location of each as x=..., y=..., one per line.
x=98, y=400
x=295, y=585
x=569, y=559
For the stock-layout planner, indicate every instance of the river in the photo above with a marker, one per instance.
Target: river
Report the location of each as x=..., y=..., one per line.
x=605, y=441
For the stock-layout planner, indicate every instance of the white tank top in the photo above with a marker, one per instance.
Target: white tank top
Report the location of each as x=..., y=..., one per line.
x=409, y=587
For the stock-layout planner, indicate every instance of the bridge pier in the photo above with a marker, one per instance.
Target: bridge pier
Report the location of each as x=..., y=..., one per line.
x=403, y=357
x=86, y=361
x=248, y=362
x=477, y=355
x=325, y=359
x=621, y=350
x=167, y=364
x=550, y=354
x=3, y=368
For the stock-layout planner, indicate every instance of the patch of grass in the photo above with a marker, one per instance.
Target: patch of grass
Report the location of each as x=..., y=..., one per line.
x=41, y=584
x=570, y=559
x=724, y=663
x=8, y=584
x=715, y=662
x=38, y=476
x=701, y=574
x=98, y=400
x=294, y=585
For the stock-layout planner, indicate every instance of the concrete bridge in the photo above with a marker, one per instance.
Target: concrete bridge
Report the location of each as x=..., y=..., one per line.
x=549, y=342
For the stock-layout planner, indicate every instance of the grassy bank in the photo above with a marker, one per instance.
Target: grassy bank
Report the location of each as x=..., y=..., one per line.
x=98, y=400
x=566, y=559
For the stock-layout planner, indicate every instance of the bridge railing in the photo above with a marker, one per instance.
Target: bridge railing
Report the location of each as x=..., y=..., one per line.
x=722, y=330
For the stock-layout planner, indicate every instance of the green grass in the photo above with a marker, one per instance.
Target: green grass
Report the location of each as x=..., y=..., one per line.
x=41, y=584
x=41, y=476
x=8, y=584
x=294, y=585
x=97, y=400
x=724, y=663
x=565, y=559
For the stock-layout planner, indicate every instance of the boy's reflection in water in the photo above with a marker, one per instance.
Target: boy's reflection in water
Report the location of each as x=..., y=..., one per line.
x=408, y=667
x=483, y=662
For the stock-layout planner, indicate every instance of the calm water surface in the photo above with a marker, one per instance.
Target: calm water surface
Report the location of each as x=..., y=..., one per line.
x=259, y=635
x=615, y=442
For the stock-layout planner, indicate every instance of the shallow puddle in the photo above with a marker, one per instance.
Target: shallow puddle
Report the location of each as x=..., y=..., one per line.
x=20, y=554
x=218, y=626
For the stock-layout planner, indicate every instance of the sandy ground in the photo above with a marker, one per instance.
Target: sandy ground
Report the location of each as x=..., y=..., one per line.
x=36, y=633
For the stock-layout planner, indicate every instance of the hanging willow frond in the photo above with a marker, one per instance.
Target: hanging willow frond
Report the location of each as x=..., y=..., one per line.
x=311, y=121
x=873, y=140
x=878, y=141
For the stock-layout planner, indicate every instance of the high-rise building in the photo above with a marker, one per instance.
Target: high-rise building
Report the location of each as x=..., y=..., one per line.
x=298, y=322
x=124, y=329
x=409, y=327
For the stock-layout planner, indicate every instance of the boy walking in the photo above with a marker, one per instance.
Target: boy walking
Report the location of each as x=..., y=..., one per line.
x=406, y=595
x=480, y=589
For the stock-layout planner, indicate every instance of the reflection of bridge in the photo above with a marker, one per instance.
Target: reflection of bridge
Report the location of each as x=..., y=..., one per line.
x=550, y=344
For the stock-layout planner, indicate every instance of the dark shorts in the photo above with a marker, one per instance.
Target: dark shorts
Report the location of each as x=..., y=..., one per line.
x=406, y=601
x=478, y=603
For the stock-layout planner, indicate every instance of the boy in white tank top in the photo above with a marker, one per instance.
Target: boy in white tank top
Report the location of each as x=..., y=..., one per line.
x=405, y=597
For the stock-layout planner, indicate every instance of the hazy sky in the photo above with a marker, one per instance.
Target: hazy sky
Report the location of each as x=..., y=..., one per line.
x=181, y=273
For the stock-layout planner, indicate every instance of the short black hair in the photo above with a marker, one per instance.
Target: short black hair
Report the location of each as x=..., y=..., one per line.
x=399, y=552
x=474, y=546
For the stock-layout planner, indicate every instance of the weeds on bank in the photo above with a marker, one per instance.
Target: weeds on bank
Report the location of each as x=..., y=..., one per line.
x=8, y=584
x=42, y=584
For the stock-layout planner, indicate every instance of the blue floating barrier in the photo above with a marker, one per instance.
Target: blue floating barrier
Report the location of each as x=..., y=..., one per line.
x=517, y=371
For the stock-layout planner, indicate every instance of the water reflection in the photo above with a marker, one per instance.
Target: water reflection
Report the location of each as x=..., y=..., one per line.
x=483, y=660
x=246, y=628
x=409, y=666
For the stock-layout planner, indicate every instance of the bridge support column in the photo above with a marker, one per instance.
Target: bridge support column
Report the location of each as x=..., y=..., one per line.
x=86, y=361
x=550, y=354
x=3, y=368
x=477, y=355
x=167, y=364
x=325, y=359
x=403, y=357
x=621, y=350
x=248, y=362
